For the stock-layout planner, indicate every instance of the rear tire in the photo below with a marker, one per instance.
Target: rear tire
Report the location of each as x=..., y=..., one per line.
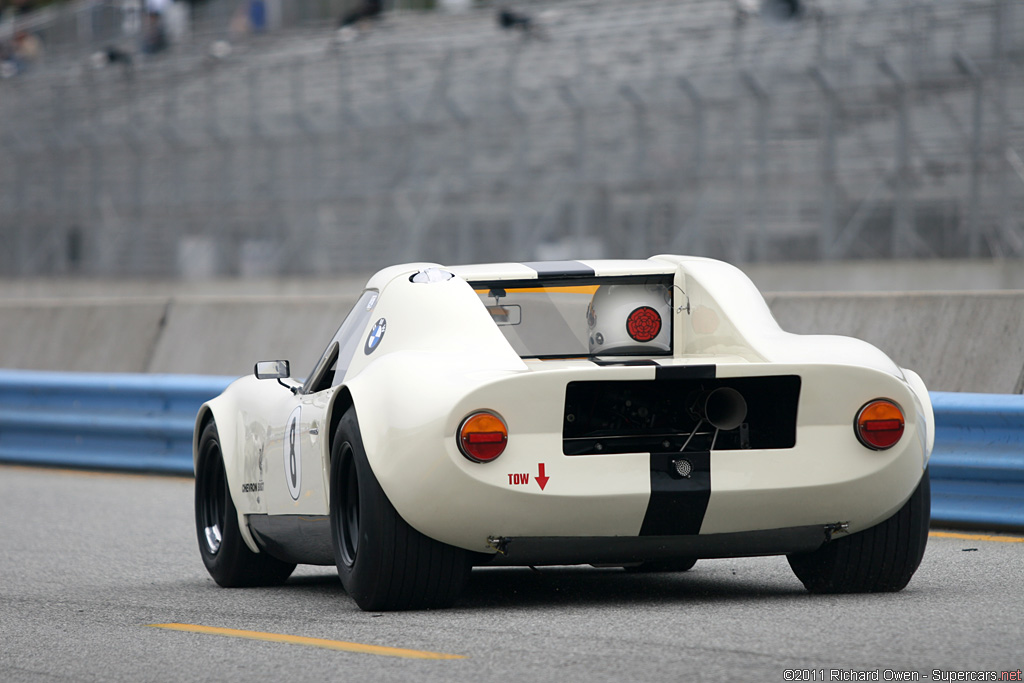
x=880, y=559
x=384, y=563
x=225, y=554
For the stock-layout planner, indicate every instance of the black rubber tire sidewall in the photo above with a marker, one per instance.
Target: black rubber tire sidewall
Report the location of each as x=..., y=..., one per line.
x=395, y=567
x=234, y=564
x=880, y=559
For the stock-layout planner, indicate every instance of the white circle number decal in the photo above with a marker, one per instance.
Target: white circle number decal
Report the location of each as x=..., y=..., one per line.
x=293, y=454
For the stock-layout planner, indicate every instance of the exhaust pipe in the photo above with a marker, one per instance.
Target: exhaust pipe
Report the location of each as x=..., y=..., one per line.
x=724, y=408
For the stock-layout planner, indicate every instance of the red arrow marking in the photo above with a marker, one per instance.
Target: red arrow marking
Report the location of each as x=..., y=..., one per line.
x=540, y=478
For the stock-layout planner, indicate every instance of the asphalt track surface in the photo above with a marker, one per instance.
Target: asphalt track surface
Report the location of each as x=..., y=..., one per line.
x=90, y=562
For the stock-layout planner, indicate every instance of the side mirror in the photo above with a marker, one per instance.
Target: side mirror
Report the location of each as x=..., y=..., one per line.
x=272, y=369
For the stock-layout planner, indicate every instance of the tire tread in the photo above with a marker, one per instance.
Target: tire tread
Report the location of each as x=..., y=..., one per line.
x=880, y=559
x=396, y=567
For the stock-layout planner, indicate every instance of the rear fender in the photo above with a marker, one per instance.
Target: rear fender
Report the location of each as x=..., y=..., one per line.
x=926, y=415
x=341, y=403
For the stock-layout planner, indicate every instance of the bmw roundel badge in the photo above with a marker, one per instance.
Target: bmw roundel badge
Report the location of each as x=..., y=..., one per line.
x=376, y=334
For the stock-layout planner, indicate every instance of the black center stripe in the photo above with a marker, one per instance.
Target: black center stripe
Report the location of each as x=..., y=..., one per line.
x=628, y=362
x=677, y=504
x=557, y=270
x=685, y=372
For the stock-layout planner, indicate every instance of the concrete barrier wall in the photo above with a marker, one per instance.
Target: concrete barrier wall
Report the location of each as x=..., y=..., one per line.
x=958, y=342
x=80, y=334
x=928, y=275
x=227, y=336
x=222, y=336
x=970, y=342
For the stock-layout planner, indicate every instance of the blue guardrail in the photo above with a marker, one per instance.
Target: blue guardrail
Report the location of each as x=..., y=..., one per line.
x=141, y=422
x=112, y=421
x=977, y=465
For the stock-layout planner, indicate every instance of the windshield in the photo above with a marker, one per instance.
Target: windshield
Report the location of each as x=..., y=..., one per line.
x=621, y=316
x=333, y=364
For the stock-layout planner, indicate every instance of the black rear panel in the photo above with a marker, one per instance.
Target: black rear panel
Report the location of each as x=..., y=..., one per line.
x=661, y=415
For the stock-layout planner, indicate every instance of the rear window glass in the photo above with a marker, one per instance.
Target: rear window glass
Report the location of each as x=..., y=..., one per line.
x=623, y=316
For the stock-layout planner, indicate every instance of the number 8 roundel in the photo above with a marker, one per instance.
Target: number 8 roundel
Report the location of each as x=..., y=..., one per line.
x=293, y=453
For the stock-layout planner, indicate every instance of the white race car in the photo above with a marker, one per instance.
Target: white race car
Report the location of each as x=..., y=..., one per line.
x=642, y=413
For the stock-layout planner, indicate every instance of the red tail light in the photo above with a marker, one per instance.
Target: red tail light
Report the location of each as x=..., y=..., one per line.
x=880, y=424
x=482, y=436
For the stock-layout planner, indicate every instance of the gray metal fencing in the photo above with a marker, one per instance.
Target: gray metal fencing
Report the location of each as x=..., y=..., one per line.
x=864, y=129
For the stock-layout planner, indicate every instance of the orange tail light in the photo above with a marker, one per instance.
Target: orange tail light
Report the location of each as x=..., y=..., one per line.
x=482, y=436
x=880, y=424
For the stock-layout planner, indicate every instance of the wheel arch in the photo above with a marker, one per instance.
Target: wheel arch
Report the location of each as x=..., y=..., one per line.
x=217, y=414
x=341, y=403
x=203, y=418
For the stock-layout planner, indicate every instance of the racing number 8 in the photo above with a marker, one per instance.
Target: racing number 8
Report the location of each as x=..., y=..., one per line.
x=293, y=455
x=292, y=466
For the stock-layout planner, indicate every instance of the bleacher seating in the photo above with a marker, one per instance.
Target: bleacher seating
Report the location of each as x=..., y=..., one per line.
x=638, y=127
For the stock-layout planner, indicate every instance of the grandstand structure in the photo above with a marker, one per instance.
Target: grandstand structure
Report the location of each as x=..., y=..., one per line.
x=861, y=129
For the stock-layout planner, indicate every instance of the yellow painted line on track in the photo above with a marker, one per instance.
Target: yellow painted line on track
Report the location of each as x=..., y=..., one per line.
x=976, y=537
x=312, y=642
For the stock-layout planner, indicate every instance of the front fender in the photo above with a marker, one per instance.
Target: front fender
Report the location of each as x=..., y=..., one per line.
x=223, y=411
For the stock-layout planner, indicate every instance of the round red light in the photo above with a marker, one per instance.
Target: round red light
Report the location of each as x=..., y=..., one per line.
x=643, y=324
x=880, y=424
x=482, y=437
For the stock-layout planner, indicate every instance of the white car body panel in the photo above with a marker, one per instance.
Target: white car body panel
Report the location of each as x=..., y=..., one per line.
x=442, y=358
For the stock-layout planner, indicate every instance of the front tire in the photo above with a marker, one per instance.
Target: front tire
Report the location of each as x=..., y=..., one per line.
x=225, y=554
x=876, y=560
x=384, y=563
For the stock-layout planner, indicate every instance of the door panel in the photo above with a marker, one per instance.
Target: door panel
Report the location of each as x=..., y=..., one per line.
x=294, y=456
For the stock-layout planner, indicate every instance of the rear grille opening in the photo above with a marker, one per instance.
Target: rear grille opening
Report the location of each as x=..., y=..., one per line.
x=661, y=416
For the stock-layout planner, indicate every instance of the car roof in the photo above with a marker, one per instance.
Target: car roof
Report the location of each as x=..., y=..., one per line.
x=536, y=270
x=559, y=270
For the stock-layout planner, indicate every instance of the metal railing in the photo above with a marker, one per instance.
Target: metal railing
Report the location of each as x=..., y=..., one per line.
x=108, y=421
x=978, y=463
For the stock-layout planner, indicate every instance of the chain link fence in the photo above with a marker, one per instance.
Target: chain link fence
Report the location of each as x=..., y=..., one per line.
x=859, y=130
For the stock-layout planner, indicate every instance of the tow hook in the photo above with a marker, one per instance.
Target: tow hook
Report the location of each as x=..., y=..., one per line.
x=835, y=528
x=498, y=543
